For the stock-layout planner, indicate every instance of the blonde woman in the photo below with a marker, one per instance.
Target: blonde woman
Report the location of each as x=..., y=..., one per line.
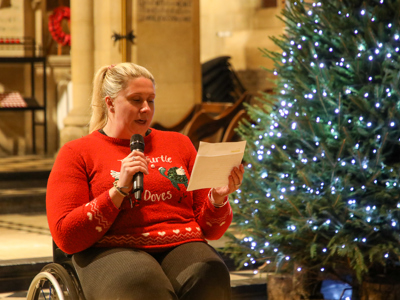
x=127, y=248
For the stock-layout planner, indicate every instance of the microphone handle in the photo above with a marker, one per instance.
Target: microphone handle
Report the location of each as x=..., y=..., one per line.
x=137, y=143
x=138, y=185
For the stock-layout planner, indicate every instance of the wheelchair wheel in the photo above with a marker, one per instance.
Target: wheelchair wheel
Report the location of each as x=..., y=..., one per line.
x=53, y=282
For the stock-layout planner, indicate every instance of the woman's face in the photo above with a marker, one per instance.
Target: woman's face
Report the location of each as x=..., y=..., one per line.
x=134, y=108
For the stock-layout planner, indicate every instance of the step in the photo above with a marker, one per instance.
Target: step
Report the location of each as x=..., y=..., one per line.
x=246, y=285
x=23, y=179
x=16, y=275
x=23, y=200
x=25, y=171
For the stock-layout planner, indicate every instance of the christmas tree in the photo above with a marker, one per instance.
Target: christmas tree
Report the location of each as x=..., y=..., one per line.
x=321, y=188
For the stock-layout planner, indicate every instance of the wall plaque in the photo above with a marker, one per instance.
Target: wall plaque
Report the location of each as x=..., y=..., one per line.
x=165, y=10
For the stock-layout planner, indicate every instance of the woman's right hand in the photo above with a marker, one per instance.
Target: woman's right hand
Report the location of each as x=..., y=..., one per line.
x=135, y=162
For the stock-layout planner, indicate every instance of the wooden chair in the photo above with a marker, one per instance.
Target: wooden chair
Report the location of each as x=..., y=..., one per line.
x=178, y=127
x=211, y=108
x=206, y=127
x=230, y=134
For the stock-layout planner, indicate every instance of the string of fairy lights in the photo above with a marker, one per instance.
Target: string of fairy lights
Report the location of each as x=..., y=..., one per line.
x=290, y=113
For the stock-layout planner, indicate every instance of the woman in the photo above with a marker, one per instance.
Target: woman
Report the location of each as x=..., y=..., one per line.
x=125, y=248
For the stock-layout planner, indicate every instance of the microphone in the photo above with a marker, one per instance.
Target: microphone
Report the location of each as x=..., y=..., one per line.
x=137, y=143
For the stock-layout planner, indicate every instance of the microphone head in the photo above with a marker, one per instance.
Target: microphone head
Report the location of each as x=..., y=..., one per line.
x=137, y=143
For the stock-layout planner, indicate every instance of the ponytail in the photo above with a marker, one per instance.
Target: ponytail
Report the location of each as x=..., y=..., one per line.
x=99, y=108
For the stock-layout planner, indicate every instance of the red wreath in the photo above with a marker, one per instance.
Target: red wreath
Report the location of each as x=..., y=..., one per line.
x=55, y=29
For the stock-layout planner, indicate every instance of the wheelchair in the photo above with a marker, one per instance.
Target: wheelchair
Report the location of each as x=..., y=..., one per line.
x=57, y=280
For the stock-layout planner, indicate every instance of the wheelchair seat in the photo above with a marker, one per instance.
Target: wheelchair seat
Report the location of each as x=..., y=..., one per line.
x=57, y=280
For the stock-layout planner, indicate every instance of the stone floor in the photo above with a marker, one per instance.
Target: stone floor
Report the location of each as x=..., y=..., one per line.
x=24, y=236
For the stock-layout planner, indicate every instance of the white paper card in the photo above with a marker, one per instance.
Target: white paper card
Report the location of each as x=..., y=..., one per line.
x=214, y=163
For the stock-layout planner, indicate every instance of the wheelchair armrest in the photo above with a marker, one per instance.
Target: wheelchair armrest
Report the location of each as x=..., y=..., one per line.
x=60, y=256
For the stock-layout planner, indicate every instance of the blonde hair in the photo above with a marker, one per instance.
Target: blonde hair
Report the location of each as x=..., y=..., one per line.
x=109, y=81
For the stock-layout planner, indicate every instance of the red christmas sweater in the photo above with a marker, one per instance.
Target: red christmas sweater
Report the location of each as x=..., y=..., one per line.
x=81, y=214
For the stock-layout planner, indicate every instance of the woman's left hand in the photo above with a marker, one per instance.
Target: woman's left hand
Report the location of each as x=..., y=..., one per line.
x=235, y=180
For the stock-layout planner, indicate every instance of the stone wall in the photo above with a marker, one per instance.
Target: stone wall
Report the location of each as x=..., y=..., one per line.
x=239, y=30
x=168, y=44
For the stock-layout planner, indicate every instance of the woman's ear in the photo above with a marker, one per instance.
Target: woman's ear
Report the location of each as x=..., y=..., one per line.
x=109, y=103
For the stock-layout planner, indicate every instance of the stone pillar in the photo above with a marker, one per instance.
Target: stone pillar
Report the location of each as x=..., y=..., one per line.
x=59, y=106
x=82, y=70
x=168, y=44
x=107, y=21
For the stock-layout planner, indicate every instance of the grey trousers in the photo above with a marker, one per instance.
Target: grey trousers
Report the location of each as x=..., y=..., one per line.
x=191, y=271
